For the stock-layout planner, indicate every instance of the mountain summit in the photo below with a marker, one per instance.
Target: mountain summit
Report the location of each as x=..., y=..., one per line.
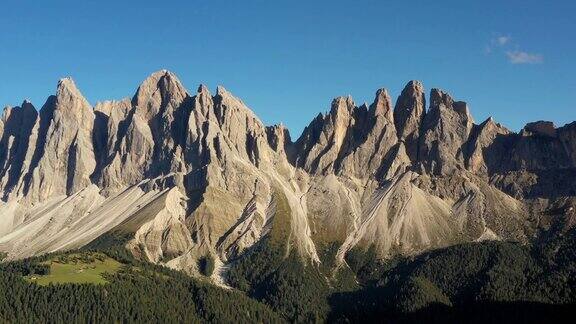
x=184, y=176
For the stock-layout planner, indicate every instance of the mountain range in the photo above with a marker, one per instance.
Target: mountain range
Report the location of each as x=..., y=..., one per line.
x=177, y=177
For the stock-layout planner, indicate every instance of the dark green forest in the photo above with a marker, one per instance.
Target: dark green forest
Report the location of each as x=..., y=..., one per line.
x=474, y=282
x=138, y=293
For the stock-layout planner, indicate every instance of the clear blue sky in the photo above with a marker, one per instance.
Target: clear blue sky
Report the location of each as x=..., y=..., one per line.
x=513, y=60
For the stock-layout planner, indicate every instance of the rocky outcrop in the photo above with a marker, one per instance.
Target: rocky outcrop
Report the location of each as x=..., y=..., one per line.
x=408, y=116
x=147, y=138
x=349, y=140
x=445, y=132
x=487, y=147
x=62, y=159
x=16, y=134
x=542, y=128
x=324, y=138
x=567, y=136
x=184, y=175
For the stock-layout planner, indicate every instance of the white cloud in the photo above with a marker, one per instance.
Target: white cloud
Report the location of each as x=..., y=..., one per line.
x=505, y=45
x=520, y=57
x=503, y=40
x=496, y=42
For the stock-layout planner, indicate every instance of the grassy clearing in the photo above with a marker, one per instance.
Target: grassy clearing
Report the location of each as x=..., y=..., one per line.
x=280, y=232
x=77, y=268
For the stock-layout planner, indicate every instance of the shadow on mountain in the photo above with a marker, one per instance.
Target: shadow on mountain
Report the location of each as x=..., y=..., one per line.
x=481, y=312
x=531, y=184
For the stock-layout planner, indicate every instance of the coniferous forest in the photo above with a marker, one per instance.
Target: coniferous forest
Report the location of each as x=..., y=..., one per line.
x=479, y=282
x=138, y=293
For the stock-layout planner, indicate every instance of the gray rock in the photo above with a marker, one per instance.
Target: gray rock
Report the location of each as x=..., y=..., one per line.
x=408, y=116
x=445, y=132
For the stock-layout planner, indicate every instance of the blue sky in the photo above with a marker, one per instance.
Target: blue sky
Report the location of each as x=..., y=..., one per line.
x=513, y=60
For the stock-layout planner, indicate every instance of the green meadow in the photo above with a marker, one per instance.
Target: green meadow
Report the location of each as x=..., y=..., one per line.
x=78, y=269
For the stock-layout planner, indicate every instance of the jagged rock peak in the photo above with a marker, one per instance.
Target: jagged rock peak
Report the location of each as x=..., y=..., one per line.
x=160, y=78
x=490, y=121
x=228, y=103
x=26, y=107
x=446, y=128
x=227, y=98
x=342, y=105
x=221, y=91
x=439, y=97
x=24, y=113
x=413, y=89
x=67, y=91
x=409, y=113
x=203, y=103
x=415, y=85
x=156, y=76
x=5, y=113
x=461, y=107
x=63, y=159
x=382, y=105
x=203, y=89
x=410, y=109
x=541, y=127
x=67, y=83
x=278, y=137
x=70, y=102
x=159, y=88
x=484, y=152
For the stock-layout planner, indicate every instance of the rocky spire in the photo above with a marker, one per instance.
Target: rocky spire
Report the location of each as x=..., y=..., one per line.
x=370, y=139
x=567, y=135
x=408, y=116
x=341, y=119
x=14, y=144
x=150, y=139
x=446, y=129
x=278, y=137
x=382, y=105
x=63, y=158
x=109, y=128
x=487, y=150
x=322, y=140
x=348, y=140
x=160, y=91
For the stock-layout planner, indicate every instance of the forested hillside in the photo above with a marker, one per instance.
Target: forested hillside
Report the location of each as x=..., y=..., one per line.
x=137, y=293
x=476, y=282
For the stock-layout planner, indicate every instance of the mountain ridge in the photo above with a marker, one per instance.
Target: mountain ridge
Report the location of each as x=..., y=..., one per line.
x=195, y=175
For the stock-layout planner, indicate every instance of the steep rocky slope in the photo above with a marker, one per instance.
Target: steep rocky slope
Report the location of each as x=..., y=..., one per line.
x=182, y=176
